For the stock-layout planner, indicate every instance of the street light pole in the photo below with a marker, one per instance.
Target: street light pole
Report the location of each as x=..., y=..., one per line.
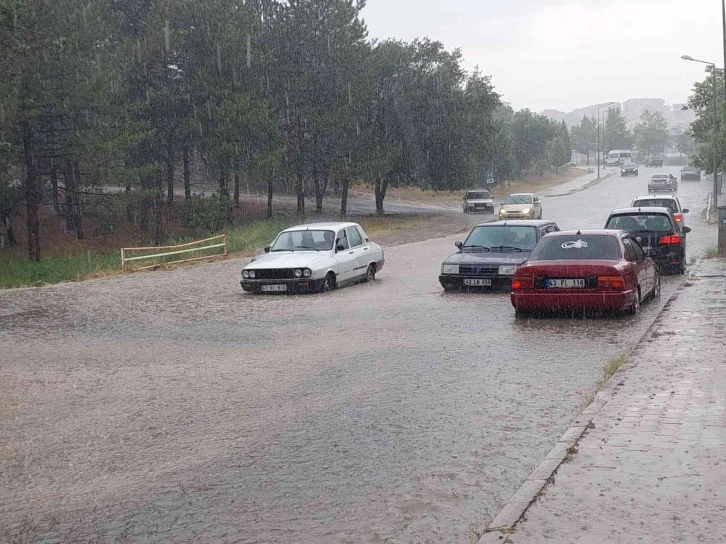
x=598, y=135
x=714, y=200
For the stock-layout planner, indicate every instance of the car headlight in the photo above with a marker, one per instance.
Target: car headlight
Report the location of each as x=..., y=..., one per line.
x=252, y=274
x=526, y=210
x=307, y=272
x=507, y=270
x=450, y=269
x=298, y=273
x=245, y=274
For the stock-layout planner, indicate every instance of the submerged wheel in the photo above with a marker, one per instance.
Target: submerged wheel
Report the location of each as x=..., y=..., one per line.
x=635, y=306
x=328, y=283
x=656, y=287
x=371, y=274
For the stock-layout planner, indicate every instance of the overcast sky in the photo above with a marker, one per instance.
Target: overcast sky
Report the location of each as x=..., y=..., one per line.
x=565, y=54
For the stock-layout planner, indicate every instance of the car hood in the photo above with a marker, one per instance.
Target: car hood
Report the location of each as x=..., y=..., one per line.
x=629, y=167
x=286, y=259
x=516, y=207
x=494, y=257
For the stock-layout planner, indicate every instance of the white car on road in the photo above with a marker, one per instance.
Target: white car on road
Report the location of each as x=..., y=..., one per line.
x=313, y=258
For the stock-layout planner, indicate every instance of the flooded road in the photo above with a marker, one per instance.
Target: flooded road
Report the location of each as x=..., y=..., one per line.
x=170, y=406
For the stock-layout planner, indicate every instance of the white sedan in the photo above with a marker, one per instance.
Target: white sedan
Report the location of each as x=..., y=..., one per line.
x=312, y=258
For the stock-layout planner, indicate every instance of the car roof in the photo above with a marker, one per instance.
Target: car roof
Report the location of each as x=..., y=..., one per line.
x=590, y=232
x=322, y=226
x=641, y=209
x=690, y=167
x=518, y=223
x=661, y=175
x=660, y=196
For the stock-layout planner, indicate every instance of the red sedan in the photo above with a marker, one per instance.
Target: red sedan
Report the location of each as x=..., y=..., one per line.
x=584, y=271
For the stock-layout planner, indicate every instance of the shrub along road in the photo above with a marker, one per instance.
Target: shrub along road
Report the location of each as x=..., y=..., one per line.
x=170, y=406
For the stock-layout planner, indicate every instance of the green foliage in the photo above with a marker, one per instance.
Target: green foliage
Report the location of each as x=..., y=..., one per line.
x=616, y=133
x=204, y=216
x=584, y=136
x=709, y=128
x=651, y=133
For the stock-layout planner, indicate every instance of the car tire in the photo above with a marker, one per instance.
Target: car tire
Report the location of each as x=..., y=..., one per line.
x=656, y=286
x=520, y=314
x=370, y=274
x=634, y=308
x=682, y=266
x=328, y=283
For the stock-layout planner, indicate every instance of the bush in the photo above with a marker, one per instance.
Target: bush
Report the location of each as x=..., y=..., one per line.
x=203, y=216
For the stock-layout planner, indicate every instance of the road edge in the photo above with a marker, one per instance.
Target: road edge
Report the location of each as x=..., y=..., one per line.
x=514, y=510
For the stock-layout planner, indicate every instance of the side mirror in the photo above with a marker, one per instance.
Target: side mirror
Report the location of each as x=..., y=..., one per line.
x=268, y=248
x=339, y=247
x=686, y=230
x=685, y=210
x=458, y=244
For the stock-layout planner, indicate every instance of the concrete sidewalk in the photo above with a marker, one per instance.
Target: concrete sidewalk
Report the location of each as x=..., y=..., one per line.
x=653, y=467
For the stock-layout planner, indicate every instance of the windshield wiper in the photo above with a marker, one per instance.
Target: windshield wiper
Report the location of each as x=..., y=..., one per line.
x=477, y=247
x=307, y=247
x=502, y=248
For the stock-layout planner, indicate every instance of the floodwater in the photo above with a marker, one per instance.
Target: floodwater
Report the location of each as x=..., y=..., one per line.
x=170, y=406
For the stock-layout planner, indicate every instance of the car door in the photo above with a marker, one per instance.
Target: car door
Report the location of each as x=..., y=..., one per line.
x=355, y=240
x=636, y=255
x=537, y=207
x=344, y=256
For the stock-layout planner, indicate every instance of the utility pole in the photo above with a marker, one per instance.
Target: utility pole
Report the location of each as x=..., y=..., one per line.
x=598, y=135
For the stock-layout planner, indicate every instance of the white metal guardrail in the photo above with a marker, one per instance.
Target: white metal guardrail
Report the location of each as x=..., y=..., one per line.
x=212, y=243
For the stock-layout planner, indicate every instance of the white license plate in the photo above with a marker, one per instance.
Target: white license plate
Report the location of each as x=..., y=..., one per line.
x=274, y=288
x=577, y=283
x=477, y=282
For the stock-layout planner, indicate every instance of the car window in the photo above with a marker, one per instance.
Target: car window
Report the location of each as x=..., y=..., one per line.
x=638, y=222
x=354, y=238
x=342, y=240
x=630, y=253
x=657, y=203
x=304, y=239
x=577, y=247
x=363, y=234
x=502, y=236
x=478, y=195
x=638, y=249
x=518, y=199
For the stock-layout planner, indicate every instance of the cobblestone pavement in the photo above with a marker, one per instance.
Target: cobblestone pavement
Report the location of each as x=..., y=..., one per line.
x=653, y=468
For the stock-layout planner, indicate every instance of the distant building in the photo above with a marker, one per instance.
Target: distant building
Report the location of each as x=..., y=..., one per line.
x=635, y=107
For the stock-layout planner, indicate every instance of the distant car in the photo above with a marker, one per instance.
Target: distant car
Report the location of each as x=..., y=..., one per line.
x=654, y=162
x=580, y=271
x=629, y=169
x=314, y=258
x=656, y=230
x=491, y=254
x=521, y=206
x=662, y=201
x=690, y=173
x=662, y=182
x=478, y=202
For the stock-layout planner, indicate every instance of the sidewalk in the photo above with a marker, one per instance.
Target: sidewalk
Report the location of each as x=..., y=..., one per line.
x=653, y=467
x=579, y=184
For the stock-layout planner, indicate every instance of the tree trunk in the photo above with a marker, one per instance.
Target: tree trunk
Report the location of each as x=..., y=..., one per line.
x=129, y=208
x=344, y=189
x=157, y=211
x=187, y=184
x=77, y=219
x=319, y=191
x=236, y=188
x=170, y=176
x=10, y=231
x=32, y=195
x=223, y=189
x=300, y=181
x=381, y=188
x=54, y=188
x=70, y=192
x=270, y=188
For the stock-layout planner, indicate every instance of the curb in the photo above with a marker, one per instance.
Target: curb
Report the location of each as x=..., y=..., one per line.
x=503, y=525
x=588, y=185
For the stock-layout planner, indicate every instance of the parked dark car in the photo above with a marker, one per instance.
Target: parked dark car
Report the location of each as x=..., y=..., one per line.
x=653, y=162
x=656, y=230
x=690, y=173
x=662, y=182
x=629, y=169
x=490, y=255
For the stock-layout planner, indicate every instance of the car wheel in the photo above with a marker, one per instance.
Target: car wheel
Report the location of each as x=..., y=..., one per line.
x=328, y=283
x=635, y=306
x=520, y=314
x=656, y=286
x=371, y=274
x=682, y=266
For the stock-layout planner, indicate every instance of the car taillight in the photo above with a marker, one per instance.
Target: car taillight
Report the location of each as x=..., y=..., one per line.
x=673, y=239
x=522, y=283
x=678, y=217
x=610, y=282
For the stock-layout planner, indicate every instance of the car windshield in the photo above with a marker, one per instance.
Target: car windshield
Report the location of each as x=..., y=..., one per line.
x=656, y=203
x=640, y=222
x=629, y=165
x=304, y=240
x=577, y=247
x=518, y=199
x=660, y=176
x=502, y=238
x=478, y=195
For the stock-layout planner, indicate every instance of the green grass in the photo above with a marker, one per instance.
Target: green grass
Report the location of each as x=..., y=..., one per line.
x=608, y=372
x=21, y=272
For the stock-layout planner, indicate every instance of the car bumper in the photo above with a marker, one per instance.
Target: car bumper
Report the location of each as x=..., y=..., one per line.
x=552, y=301
x=690, y=177
x=292, y=287
x=515, y=215
x=480, y=208
x=628, y=172
x=379, y=265
x=663, y=188
x=457, y=282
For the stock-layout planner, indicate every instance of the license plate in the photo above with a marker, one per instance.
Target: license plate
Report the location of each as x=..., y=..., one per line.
x=274, y=288
x=477, y=282
x=577, y=283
